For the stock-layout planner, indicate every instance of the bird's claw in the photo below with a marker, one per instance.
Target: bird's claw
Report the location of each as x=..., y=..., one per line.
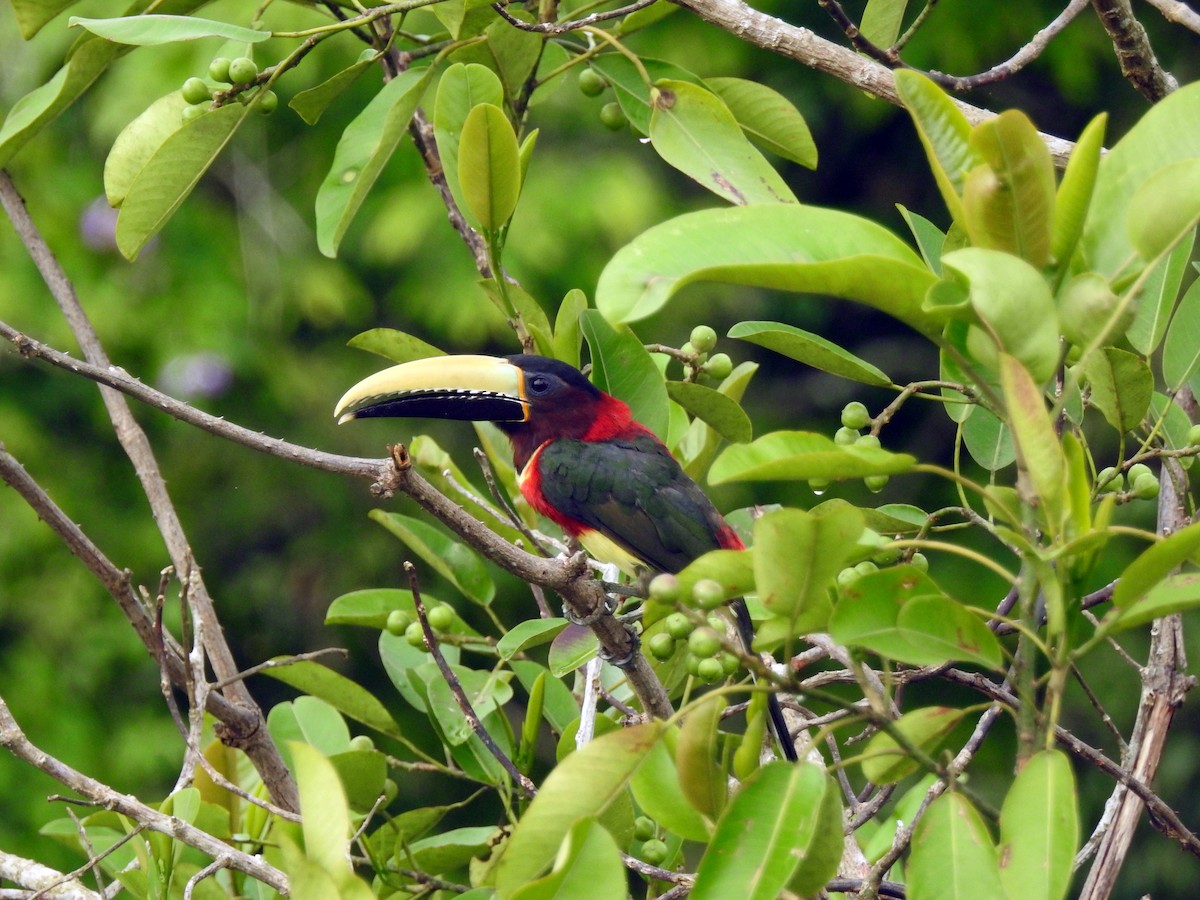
x=607, y=608
x=625, y=660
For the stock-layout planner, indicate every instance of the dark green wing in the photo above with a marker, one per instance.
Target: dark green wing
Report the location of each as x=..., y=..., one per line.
x=633, y=492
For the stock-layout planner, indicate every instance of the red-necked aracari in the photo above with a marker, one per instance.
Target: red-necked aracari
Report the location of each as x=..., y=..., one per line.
x=584, y=462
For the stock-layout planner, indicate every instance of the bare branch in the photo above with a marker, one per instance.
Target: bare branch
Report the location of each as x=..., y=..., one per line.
x=33, y=876
x=1139, y=65
x=807, y=48
x=1178, y=13
x=15, y=741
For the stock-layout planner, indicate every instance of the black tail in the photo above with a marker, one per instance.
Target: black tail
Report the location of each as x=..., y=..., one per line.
x=774, y=711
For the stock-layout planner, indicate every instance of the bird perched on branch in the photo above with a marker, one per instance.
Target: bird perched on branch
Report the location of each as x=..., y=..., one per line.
x=584, y=462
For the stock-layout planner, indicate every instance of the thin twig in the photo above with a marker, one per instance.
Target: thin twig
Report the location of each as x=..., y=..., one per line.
x=456, y=688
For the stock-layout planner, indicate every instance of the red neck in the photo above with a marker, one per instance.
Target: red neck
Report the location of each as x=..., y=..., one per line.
x=603, y=419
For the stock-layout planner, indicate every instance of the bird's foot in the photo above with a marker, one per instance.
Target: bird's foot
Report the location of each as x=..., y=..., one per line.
x=625, y=660
x=606, y=608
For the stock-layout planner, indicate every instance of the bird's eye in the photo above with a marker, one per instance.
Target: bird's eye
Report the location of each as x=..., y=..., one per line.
x=539, y=384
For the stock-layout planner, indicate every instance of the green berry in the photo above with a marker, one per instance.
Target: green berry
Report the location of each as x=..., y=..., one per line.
x=361, y=742
x=704, y=643
x=390, y=790
x=678, y=625
x=1193, y=436
x=243, y=70
x=612, y=116
x=692, y=663
x=592, y=83
x=398, y=621
x=719, y=365
x=1109, y=480
x=441, y=617
x=1140, y=470
x=704, y=338
x=644, y=827
x=919, y=561
x=709, y=670
x=193, y=112
x=415, y=635
x=708, y=593
x=845, y=436
x=664, y=588
x=195, y=91
x=654, y=852
x=855, y=415
x=866, y=567
x=867, y=440
x=218, y=69
x=875, y=483
x=661, y=646
x=268, y=102
x=847, y=577
x=729, y=663
x=1145, y=487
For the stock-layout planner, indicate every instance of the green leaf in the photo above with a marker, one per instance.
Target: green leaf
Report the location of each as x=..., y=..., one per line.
x=454, y=561
x=1038, y=449
x=809, y=349
x=588, y=867
x=148, y=30
x=952, y=855
x=1008, y=201
x=370, y=607
x=632, y=93
x=1122, y=386
x=31, y=15
x=658, y=793
x=1174, y=594
x=698, y=446
x=945, y=134
x=489, y=168
x=311, y=104
x=886, y=762
x=363, y=150
x=486, y=691
x=138, y=142
x=452, y=850
x=507, y=294
x=1155, y=564
x=567, y=337
x=326, y=816
x=1157, y=299
x=169, y=176
x=768, y=118
x=44, y=104
x=930, y=239
x=515, y=51
x=461, y=88
x=768, y=832
x=881, y=21
x=559, y=707
x=346, y=696
x=902, y=614
x=802, y=455
x=732, y=569
x=571, y=648
x=1167, y=133
x=1039, y=829
x=622, y=367
x=988, y=440
x=464, y=18
x=1074, y=196
x=530, y=633
x=321, y=725
x=362, y=774
x=724, y=416
x=1181, y=352
x=394, y=345
x=1014, y=302
x=693, y=130
x=782, y=246
x=584, y=784
x=796, y=557
x=701, y=776
x=1175, y=424
x=1165, y=208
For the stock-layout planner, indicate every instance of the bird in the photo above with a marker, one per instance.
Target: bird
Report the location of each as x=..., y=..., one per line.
x=583, y=461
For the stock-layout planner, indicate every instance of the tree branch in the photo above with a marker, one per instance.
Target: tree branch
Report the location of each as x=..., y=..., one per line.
x=255, y=741
x=1139, y=65
x=15, y=741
